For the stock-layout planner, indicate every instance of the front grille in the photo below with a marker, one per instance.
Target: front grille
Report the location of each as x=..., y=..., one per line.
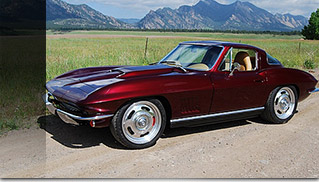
x=70, y=107
x=66, y=106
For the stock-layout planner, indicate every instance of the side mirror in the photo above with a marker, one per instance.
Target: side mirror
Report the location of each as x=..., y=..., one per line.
x=236, y=66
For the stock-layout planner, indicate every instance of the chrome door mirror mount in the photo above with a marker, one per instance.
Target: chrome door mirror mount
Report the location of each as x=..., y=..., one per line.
x=236, y=66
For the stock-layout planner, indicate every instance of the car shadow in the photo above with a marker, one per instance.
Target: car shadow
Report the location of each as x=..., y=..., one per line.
x=74, y=136
x=174, y=132
x=261, y=121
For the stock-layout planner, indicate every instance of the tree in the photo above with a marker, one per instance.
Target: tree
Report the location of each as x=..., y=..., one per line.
x=311, y=31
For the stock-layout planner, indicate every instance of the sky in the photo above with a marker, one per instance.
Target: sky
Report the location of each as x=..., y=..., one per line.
x=139, y=8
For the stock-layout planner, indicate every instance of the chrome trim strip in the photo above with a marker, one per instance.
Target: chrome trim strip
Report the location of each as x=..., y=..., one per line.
x=216, y=114
x=231, y=59
x=53, y=110
x=314, y=90
x=84, y=118
x=219, y=55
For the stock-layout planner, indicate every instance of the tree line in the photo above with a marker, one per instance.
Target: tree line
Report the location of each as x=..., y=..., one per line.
x=311, y=31
x=66, y=29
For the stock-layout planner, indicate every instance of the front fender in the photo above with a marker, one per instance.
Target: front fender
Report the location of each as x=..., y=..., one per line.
x=187, y=93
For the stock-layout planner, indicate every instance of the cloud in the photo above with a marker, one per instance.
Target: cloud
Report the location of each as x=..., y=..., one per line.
x=295, y=7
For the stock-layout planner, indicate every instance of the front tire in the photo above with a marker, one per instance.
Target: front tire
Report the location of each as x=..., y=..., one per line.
x=281, y=105
x=139, y=124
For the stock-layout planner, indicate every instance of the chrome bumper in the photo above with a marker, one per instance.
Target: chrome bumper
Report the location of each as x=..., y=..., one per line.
x=314, y=90
x=68, y=117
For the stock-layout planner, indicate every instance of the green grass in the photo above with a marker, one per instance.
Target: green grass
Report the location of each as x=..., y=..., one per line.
x=288, y=53
x=65, y=54
x=22, y=78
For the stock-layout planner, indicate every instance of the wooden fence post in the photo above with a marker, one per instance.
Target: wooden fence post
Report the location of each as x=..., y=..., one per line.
x=299, y=47
x=145, y=48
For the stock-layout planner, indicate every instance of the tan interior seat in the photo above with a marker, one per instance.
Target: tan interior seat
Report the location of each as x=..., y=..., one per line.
x=199, y=66
x=244, y=60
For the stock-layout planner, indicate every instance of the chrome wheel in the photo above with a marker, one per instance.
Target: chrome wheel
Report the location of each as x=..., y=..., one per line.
x=284, y=103
x=141, y=122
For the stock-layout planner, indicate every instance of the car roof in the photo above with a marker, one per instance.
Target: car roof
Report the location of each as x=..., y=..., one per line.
x=219, y=43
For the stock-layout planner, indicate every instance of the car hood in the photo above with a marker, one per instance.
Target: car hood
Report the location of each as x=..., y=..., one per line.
x=76, y=85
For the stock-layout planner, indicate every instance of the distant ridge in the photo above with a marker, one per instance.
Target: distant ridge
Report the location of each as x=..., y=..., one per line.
x=209, y=14
x=130, y=20
x=206, y=14
x=62, y=14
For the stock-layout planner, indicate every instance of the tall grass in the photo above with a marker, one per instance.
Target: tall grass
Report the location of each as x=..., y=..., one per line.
x=64, y=54
x=289, y=53
x=22, y=78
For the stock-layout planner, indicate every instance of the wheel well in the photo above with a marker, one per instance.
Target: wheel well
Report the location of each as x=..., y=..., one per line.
x=297, y=88
x=167, y=107
x=294, y=85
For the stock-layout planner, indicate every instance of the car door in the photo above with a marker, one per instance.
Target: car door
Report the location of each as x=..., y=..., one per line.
x=237, y=90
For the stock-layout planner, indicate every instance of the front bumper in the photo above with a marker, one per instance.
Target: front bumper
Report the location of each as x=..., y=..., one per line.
x=68, y=117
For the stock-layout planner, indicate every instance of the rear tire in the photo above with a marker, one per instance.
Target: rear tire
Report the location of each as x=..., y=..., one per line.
x=281, y=105
x=139, y=124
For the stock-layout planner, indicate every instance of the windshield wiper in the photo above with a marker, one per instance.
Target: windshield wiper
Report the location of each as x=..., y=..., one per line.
x=174, y=63
x=177, y=63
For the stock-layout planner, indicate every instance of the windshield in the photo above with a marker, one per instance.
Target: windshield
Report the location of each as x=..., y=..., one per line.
x=193, y=56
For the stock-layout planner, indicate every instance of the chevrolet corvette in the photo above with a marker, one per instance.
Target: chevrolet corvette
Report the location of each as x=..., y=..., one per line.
x=197, y=83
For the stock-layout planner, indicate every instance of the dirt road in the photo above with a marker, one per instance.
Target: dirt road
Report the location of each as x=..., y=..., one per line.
x=240, y=149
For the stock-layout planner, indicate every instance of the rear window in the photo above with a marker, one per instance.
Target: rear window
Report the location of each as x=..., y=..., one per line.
x=272, y=60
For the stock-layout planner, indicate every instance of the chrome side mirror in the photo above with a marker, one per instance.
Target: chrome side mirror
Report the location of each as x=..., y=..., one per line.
x=236, y=66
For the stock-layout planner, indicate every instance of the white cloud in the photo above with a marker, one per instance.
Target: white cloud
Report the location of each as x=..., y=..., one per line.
x=295, y=7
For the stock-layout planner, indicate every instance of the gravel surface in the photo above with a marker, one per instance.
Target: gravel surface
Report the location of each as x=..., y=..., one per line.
x=239, y=149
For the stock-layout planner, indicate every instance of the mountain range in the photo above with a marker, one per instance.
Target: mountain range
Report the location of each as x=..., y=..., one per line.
x=206, y=14
x=60, y=14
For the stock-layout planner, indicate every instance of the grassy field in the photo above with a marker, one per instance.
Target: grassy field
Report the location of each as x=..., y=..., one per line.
x=64, y=54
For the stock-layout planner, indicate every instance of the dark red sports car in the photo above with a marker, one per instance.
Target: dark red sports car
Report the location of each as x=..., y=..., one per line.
x=201, y=82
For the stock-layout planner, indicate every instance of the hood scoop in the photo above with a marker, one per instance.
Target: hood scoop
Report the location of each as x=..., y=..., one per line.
x=135, y=71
